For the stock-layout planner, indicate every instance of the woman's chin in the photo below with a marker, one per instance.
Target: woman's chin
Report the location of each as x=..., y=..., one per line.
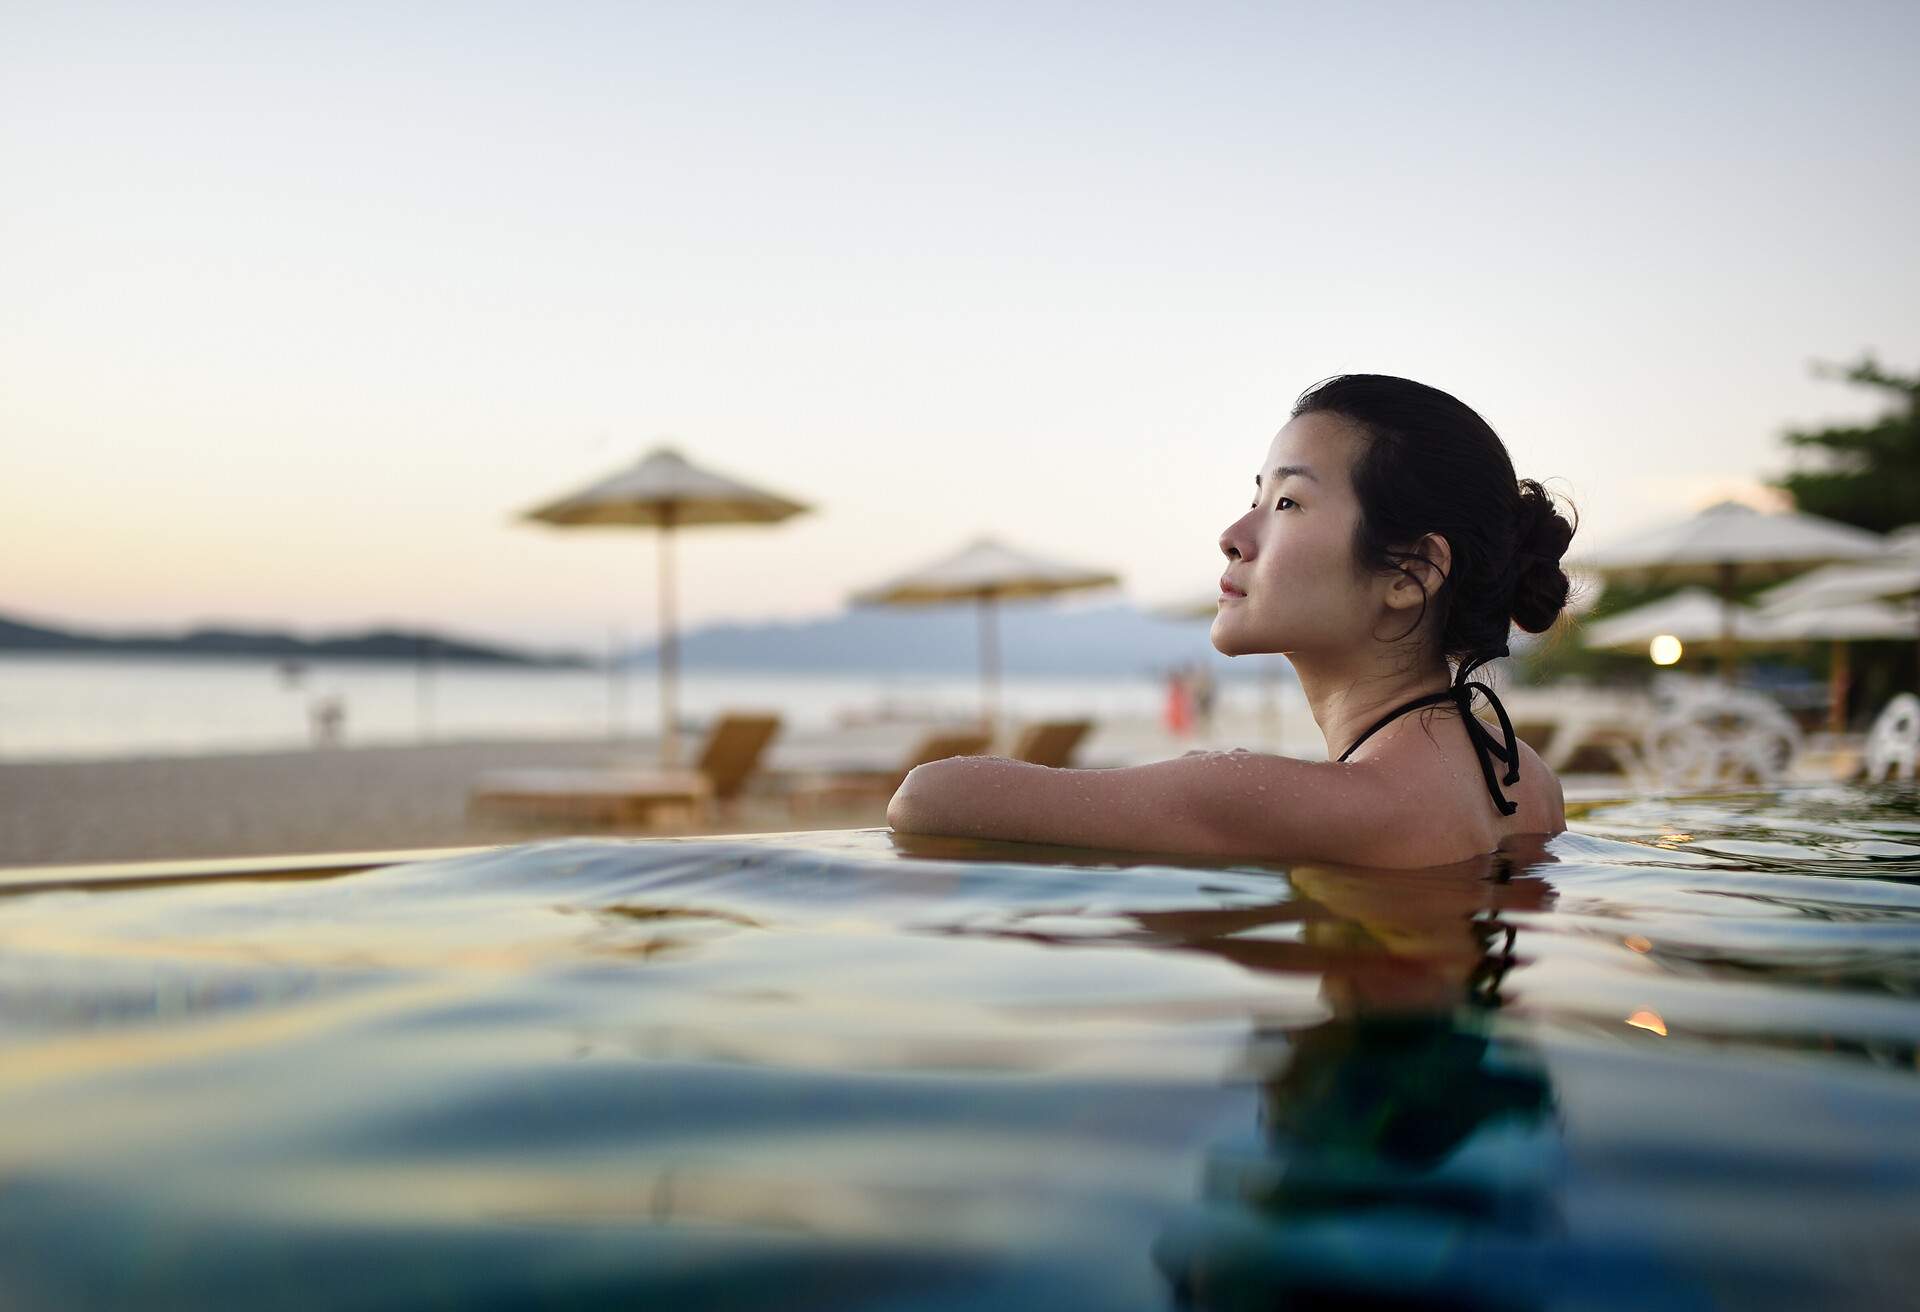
x=1231, y=637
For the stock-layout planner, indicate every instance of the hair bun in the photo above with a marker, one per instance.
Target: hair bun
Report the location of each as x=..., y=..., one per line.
x=1540, y=586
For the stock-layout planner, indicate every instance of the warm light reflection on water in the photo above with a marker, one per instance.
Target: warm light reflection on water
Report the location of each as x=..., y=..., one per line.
x=855, y=1070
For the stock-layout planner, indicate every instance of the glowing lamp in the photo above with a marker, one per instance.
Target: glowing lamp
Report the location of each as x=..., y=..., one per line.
x=1665, y=649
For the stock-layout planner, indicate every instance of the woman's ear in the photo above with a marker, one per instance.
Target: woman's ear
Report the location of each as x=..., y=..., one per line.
x=1422, y=572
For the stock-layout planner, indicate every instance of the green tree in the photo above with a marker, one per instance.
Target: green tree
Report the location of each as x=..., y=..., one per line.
x=1867, y=474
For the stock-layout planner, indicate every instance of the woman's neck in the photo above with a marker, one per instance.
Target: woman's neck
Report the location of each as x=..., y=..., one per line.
x=1347, y=697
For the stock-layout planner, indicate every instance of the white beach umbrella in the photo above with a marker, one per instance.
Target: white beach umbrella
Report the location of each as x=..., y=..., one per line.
x=1887, y=576
x=986, y=572
x=1691, y=615
x=1839, y=622
x=1728, y=541
x=663, y=490
x=1894, y=575
x=1696, y=615
x=1845, y=621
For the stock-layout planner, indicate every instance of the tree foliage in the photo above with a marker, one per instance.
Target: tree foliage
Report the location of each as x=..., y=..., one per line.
x=1865, y=474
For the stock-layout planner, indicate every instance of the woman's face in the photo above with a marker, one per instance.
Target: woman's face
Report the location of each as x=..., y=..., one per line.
x=1290, y=556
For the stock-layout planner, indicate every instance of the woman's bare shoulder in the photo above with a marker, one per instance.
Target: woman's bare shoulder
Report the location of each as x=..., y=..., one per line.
x=1373, y=812
x=1543, y=802
x=1440, y=809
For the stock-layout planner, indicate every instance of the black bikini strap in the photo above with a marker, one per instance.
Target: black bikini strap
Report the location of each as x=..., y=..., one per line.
x=1431, y=699
x=1485, y=745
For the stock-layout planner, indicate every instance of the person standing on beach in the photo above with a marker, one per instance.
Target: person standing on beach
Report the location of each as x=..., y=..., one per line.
x=1178, y=714
x=1200, y=687
x=1388, y=553
x=328, y=716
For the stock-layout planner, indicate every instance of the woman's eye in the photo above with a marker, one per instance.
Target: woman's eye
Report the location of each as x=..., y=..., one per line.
x=1283, y=502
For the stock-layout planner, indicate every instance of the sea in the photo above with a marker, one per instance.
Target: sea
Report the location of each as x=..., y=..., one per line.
x=79, y=706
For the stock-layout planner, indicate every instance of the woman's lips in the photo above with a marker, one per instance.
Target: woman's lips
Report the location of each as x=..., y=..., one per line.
x=1228, y=592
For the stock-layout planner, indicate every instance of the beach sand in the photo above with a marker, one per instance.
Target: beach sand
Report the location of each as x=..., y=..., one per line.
x=354, y=799
x=387, y=798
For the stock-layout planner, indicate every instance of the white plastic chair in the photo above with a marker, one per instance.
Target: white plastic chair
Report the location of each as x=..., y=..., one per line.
x=1893, y=744
x=1711, y=736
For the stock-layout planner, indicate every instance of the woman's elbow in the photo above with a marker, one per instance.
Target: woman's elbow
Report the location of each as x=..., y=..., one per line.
x=900, y=810
x=939, y=797
x=906, y=809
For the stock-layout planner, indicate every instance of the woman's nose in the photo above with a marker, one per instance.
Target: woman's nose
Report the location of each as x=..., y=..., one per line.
x=1231, y=542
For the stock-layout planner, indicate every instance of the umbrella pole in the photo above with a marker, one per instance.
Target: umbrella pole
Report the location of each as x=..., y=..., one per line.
x=423, y=689
x=989, y=662
x=1837, y=680
x=616, y=692
x=1727, y=569
x=669, y=649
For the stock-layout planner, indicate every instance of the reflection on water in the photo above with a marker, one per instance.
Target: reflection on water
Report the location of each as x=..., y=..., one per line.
x=1667, y=1060
x=1404, y=1120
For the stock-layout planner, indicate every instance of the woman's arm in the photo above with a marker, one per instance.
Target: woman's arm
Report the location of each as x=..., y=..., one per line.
x=1230, y=804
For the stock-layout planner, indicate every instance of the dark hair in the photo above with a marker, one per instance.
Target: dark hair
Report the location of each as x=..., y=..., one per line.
x=1429, y=464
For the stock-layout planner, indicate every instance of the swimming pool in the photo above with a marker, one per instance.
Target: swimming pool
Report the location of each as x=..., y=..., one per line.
x=1669, y=1060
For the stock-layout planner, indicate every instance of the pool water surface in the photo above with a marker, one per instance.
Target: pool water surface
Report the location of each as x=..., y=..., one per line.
x=1666, y=1060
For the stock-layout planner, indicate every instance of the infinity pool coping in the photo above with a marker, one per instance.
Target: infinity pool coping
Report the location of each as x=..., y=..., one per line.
x=301, y=865
x=324, y=865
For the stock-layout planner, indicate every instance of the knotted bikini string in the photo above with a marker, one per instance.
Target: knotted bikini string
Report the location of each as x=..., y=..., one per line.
x=1485, y=745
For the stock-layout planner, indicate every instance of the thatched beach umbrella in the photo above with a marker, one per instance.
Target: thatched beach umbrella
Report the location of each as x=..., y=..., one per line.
x=1726, y=542
x=663, y=490
x=986, y=572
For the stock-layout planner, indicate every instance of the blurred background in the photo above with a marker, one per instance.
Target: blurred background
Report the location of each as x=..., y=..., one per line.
x=308, y=310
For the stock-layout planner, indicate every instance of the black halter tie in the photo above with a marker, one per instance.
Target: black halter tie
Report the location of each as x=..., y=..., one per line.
x=1485, y=745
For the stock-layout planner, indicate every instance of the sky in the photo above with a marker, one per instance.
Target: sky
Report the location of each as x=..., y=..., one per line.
x=302, y=306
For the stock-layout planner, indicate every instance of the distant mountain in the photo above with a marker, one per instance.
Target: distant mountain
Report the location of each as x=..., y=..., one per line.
x=16, y=636
x=378, y=644
x=1035, y=638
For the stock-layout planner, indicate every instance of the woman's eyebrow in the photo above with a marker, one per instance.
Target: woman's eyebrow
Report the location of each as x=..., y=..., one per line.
x=1286, y=471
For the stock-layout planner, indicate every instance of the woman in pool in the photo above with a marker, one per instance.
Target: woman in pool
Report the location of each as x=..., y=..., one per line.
x=1388, y=550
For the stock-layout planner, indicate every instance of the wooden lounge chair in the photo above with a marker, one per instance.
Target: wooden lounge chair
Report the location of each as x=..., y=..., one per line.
x=840, y=789
x=634, y=796
x=1050, y=742
x=733, y=751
